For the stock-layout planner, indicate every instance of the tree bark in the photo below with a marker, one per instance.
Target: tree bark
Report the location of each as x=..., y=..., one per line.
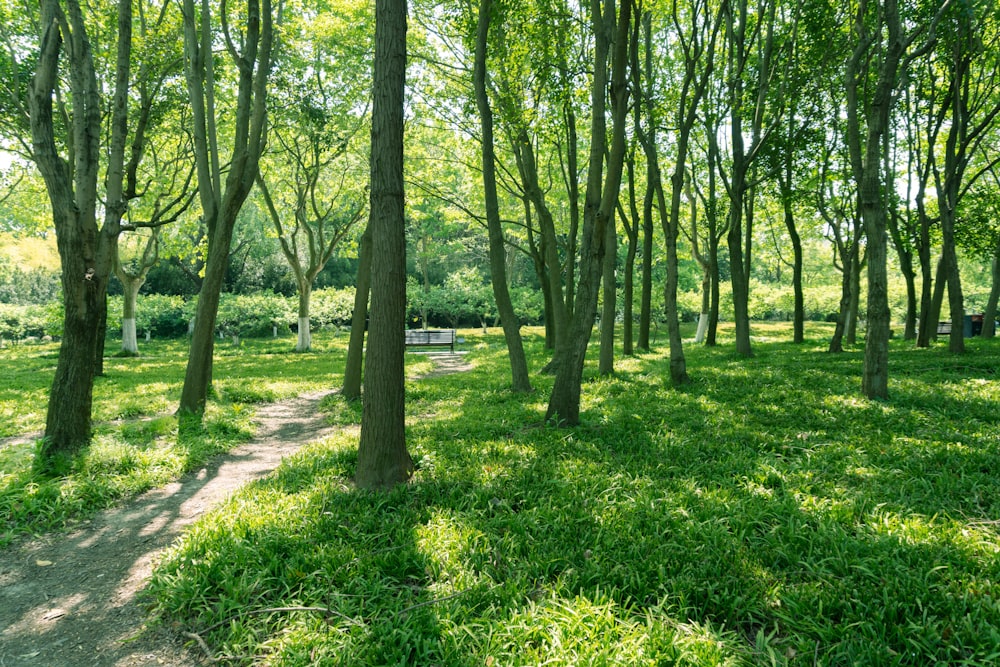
x=600, y=200
x=220, y=207
x=383, y=460
x=520, y=382
x=609, y=306
x=84, y=249
x=355, y=348
x=990, y=314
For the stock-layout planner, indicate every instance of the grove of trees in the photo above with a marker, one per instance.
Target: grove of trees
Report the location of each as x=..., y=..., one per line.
x=630, y=164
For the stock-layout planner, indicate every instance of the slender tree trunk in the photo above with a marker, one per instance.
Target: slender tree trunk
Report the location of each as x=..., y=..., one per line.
x=130, y=294
x=304, y=342
x=990, y=314
x=632, y=229
x=520, y=381
x=646, y=306
x=355, y=348
x=609, y=307
x=383, y=460
x=937, y=296
x=854, y=309
x=846, y=298
x=799, y=317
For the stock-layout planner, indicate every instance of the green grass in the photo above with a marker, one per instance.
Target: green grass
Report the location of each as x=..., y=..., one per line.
x=137, y=444
x=764, y=514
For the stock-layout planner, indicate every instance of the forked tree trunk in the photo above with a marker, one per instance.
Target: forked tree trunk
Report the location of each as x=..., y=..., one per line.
x=383, y=460
x=221, y=206
x=601, y=198
x=84, y=249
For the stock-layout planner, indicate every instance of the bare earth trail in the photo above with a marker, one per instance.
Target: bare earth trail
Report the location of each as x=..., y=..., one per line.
x=70, y=599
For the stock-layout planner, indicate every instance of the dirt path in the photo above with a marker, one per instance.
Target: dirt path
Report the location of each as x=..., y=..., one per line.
x=69, y=600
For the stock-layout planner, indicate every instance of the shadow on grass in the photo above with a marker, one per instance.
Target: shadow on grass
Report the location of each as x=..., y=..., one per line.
x=762, y=514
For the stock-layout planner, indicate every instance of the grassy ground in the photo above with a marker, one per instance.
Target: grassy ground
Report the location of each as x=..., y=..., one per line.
x=764, y=514
x=137, y=445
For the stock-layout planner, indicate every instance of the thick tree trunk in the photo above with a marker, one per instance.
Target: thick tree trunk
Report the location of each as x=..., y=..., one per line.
x=383, y=460
x=520, y=381
x=84, y=250
x=355, y=348
x=198, y=376
x=68, y=421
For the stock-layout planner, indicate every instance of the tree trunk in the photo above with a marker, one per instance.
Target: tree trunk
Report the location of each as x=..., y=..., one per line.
x=355, y=348
x=520, y=381
x=990, y=314
x=937, y=296
x=609, y=307
x=383, y=460
x=130, y=294
x=799, y=318
x=846, y=298
x=854, y=308
x=84, y=250
x=304, y=342
x=632, y=230
x=220, y=207
x=646, y=305
x=600, y=201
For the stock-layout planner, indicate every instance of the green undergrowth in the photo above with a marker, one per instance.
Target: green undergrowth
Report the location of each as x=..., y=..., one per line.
x=764, y=514
x=137, y=444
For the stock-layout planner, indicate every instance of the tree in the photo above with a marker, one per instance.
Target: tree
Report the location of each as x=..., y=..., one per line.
x=881, y=54
x=600, y=201
x=751, y=47
x=132, y=274
x=221, y=203
x=520, y=382
x=383, y=460
x=66, y=146
x=970, y=107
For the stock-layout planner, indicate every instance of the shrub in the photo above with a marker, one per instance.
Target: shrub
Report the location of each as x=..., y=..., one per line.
x=253, y=315
x=330, y=307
